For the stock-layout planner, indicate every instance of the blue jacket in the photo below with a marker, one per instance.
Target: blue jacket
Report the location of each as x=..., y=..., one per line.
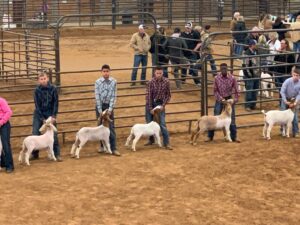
x=46, y=101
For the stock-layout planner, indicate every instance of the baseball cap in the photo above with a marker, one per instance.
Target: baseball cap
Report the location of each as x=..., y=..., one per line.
x=141, y=26
x=189, y=25
x=251, y=42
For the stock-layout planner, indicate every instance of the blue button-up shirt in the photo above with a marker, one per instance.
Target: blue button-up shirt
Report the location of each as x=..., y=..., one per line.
x=105, y=93
x=290, y=89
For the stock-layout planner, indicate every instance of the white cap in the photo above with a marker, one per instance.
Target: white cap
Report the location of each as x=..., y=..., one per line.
x=157, y=26
x=141, y=26
x=189, y=25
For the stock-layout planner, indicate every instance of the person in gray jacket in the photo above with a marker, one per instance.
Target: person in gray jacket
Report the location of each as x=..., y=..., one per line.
x=174, y=48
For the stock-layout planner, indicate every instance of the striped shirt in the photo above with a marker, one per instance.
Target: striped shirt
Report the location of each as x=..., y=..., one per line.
x=105, y=93
x=225, y=87
x=158, y=90
x=290, y=89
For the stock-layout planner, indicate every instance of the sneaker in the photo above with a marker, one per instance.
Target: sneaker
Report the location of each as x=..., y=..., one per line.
x=58, y=159
x=295, y=135
x=168, y=147
x=143, y=83
x=116, y=153
x=9, y=170
x=248, y=109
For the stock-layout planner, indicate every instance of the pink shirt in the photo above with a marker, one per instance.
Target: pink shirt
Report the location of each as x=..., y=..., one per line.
x=5, y=112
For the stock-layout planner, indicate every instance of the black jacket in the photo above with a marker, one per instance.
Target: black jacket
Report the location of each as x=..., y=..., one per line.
x=174, y=46
x=191, y=44
x=283, y=70
x=46, y=101
x=161, y=50
x=281, y=34
x=240, y=37
x=250, y=62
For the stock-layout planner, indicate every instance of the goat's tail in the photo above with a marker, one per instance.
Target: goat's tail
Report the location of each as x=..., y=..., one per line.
x=263, y=112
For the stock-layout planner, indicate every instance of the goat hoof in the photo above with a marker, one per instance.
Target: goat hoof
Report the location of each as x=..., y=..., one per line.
x=72, y=156
x=194, y=143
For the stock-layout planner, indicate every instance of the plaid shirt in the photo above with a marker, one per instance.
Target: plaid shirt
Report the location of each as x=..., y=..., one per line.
x=105, y=93
x=158, y=90
x=225, y=87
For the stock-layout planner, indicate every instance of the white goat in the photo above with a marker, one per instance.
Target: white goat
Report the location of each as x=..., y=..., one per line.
x=35, y=142
x=206, y=123
x=267, y=83
x=100, y=133
x=278, y=117
x=146, y=130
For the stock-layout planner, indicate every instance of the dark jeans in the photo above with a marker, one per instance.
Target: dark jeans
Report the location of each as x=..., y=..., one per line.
x=112, y=135
x=139, y=59
x=295, y=128
x=163, y=127
x=6, y=156
x=193, y=69
x=212, y=63
x=36, y=125
x=217, y=111
x=250, y=95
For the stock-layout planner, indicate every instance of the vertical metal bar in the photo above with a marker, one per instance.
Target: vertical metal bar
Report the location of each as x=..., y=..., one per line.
x=231, y=55
x=170, y=3
x=113, y=10
x=27, y=56
x=57, y=58
x=19, y=50
x=259, y=83
x=14, y=57
x=2, y=52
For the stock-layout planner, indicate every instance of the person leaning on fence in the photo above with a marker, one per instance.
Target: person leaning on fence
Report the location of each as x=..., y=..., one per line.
x=225, y=87
x=140, y=42
x=158, y=93
x=46, y=105
x=291, y=89
x=253, y=35
x=174, y=46
x=281, y=72
x=191, y=38
x=6, y=156
x=106, y=95
x=206, y=49
x=251, y=84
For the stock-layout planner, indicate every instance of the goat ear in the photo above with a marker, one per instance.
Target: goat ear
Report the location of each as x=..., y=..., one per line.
x=43, y=128
x=53, y=127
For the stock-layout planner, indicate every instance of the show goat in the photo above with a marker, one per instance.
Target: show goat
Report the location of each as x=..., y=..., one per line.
x=222, y=121
x=34, y=142
x=146, y=130
x=278, y=117
x=100, y=133
x=266, y=82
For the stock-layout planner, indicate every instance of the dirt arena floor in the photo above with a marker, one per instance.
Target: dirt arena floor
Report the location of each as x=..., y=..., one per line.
x=254, y=182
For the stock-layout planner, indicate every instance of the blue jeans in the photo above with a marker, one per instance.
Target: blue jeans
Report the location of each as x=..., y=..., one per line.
x=238, y=49
x=6, y=156
x=296, y=46
x=217, y=111
x=295, y=129
x=112, y=135
x=163, y=127
x=193, y=69
x=139, y=59
x=251, y=96
x=36, y=125
x=212, y=63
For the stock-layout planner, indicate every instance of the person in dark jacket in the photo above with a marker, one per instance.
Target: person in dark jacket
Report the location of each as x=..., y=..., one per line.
x=191, y=38
x=174, y=46
x=162, y=59
x=249, y=73
x=278, y=24
x=46, y=105
x=239, y=37
x=254, y=35
x=282, y=72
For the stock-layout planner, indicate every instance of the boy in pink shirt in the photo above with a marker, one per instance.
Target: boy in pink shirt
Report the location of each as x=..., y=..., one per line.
x=6, y=156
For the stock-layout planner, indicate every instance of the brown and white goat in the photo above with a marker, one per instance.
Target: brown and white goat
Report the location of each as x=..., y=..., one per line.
x=206, y=123
x=100, y=133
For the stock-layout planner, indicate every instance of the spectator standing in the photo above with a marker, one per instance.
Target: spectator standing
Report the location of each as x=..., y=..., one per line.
x=249, y=73
x=239, y=37
x=140, y=42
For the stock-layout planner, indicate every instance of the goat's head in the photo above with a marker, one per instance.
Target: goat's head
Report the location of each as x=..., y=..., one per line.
x=48, y=125
x=105, y=115
x=156, y=113
x=228, y=106
x=292, y=104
